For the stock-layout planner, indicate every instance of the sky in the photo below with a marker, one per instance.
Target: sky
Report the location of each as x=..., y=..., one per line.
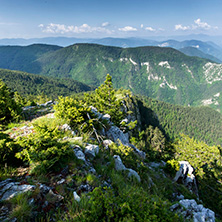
x=112, y=18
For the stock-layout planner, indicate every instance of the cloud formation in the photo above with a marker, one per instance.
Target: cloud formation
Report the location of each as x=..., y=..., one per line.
x=128, y=29
x=198, y=24
x=150, y=29
x=62, y=29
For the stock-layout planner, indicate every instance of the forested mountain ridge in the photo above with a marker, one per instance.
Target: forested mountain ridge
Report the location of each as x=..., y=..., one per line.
x=162, y=73
x=20, y=57
x=27, y=84
x=159, y=72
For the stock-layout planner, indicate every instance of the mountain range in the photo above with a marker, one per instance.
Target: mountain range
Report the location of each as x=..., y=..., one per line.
x=159, y=72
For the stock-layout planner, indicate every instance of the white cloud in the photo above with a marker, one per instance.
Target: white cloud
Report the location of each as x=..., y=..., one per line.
x=180, y=27
x=104, y=24
x=198, y=24
x=128, y=29
x=62, y=29
x=141, y=26
x=150, y=29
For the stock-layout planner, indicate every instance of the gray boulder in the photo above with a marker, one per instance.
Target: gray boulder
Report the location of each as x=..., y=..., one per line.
x=200, y=213
x=119, y=166
x=91, y=150
x=11, y=189
x=188, y=178
x=79, y=153
x=116, y=135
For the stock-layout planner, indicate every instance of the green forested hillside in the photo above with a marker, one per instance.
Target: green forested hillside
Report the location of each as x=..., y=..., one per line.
x=30, y=84
x=161, y=73
x=21, y=57
x=201, y=123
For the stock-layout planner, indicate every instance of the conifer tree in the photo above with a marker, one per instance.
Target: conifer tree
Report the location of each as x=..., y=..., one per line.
x=9, y=108
x=105, y=100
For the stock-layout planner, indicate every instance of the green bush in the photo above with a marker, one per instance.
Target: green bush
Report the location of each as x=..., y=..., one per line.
x=8, y=149
x=131, y=204
x=9, y=108
x=172, y=166
x=44, y=150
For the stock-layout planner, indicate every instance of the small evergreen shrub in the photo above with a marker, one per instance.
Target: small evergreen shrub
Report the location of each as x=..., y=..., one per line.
x=44, y=150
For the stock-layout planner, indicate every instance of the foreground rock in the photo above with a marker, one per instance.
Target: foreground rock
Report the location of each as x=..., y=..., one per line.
x=119, y=166
x=188, y=178
x=9, y=189
x=189, y=209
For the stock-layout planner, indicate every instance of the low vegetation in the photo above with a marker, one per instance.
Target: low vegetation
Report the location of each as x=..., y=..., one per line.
x=46, y=157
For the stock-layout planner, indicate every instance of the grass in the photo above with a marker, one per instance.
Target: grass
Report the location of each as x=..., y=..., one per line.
x=21, y=208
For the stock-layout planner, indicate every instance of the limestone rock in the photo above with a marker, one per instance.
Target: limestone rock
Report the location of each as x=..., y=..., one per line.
x=76, y=196
x=118, y=163
x=53, y=198
x=116, y=135
x=119, y=166
x=106, y=117
x=200, y=213
x=79, y=153
x=188, y=178
x=91, y=150
x=134, y=173
x=11, y=189
x=107, y=143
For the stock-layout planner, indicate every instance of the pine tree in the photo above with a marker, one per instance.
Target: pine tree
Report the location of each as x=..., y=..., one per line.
x=9, y=108
x=105, y=100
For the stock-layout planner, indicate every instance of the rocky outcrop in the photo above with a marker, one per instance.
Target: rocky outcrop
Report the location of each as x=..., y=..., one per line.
x=119, y=166
x=9, y=189
x=185, y=173
x=190, y=210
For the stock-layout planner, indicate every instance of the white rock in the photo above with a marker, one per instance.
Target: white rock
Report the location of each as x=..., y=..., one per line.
x=66, y=127
x=106, y=117
x=188, y=178
x=119, y=166
x=134, y=173
x=107, y=143
x=115, y=134
x=200, y=213
x=79, y=153
x=15, y=190
x=91, y=150
x=118, y=163
x=76, y=196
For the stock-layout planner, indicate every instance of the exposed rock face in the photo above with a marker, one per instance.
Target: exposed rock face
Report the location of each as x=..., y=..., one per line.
x=116, y=135
x=119, y=166
x=189, y=209
x=10, y=189
x=186, y=174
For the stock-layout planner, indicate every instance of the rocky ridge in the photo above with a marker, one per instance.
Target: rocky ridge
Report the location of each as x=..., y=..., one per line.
x=49, y=198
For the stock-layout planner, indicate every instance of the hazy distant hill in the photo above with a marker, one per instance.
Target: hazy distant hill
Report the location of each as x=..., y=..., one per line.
x=206, y=45
x=191, y=51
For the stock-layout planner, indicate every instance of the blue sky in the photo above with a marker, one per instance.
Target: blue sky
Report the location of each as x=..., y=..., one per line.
x=114, y=18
